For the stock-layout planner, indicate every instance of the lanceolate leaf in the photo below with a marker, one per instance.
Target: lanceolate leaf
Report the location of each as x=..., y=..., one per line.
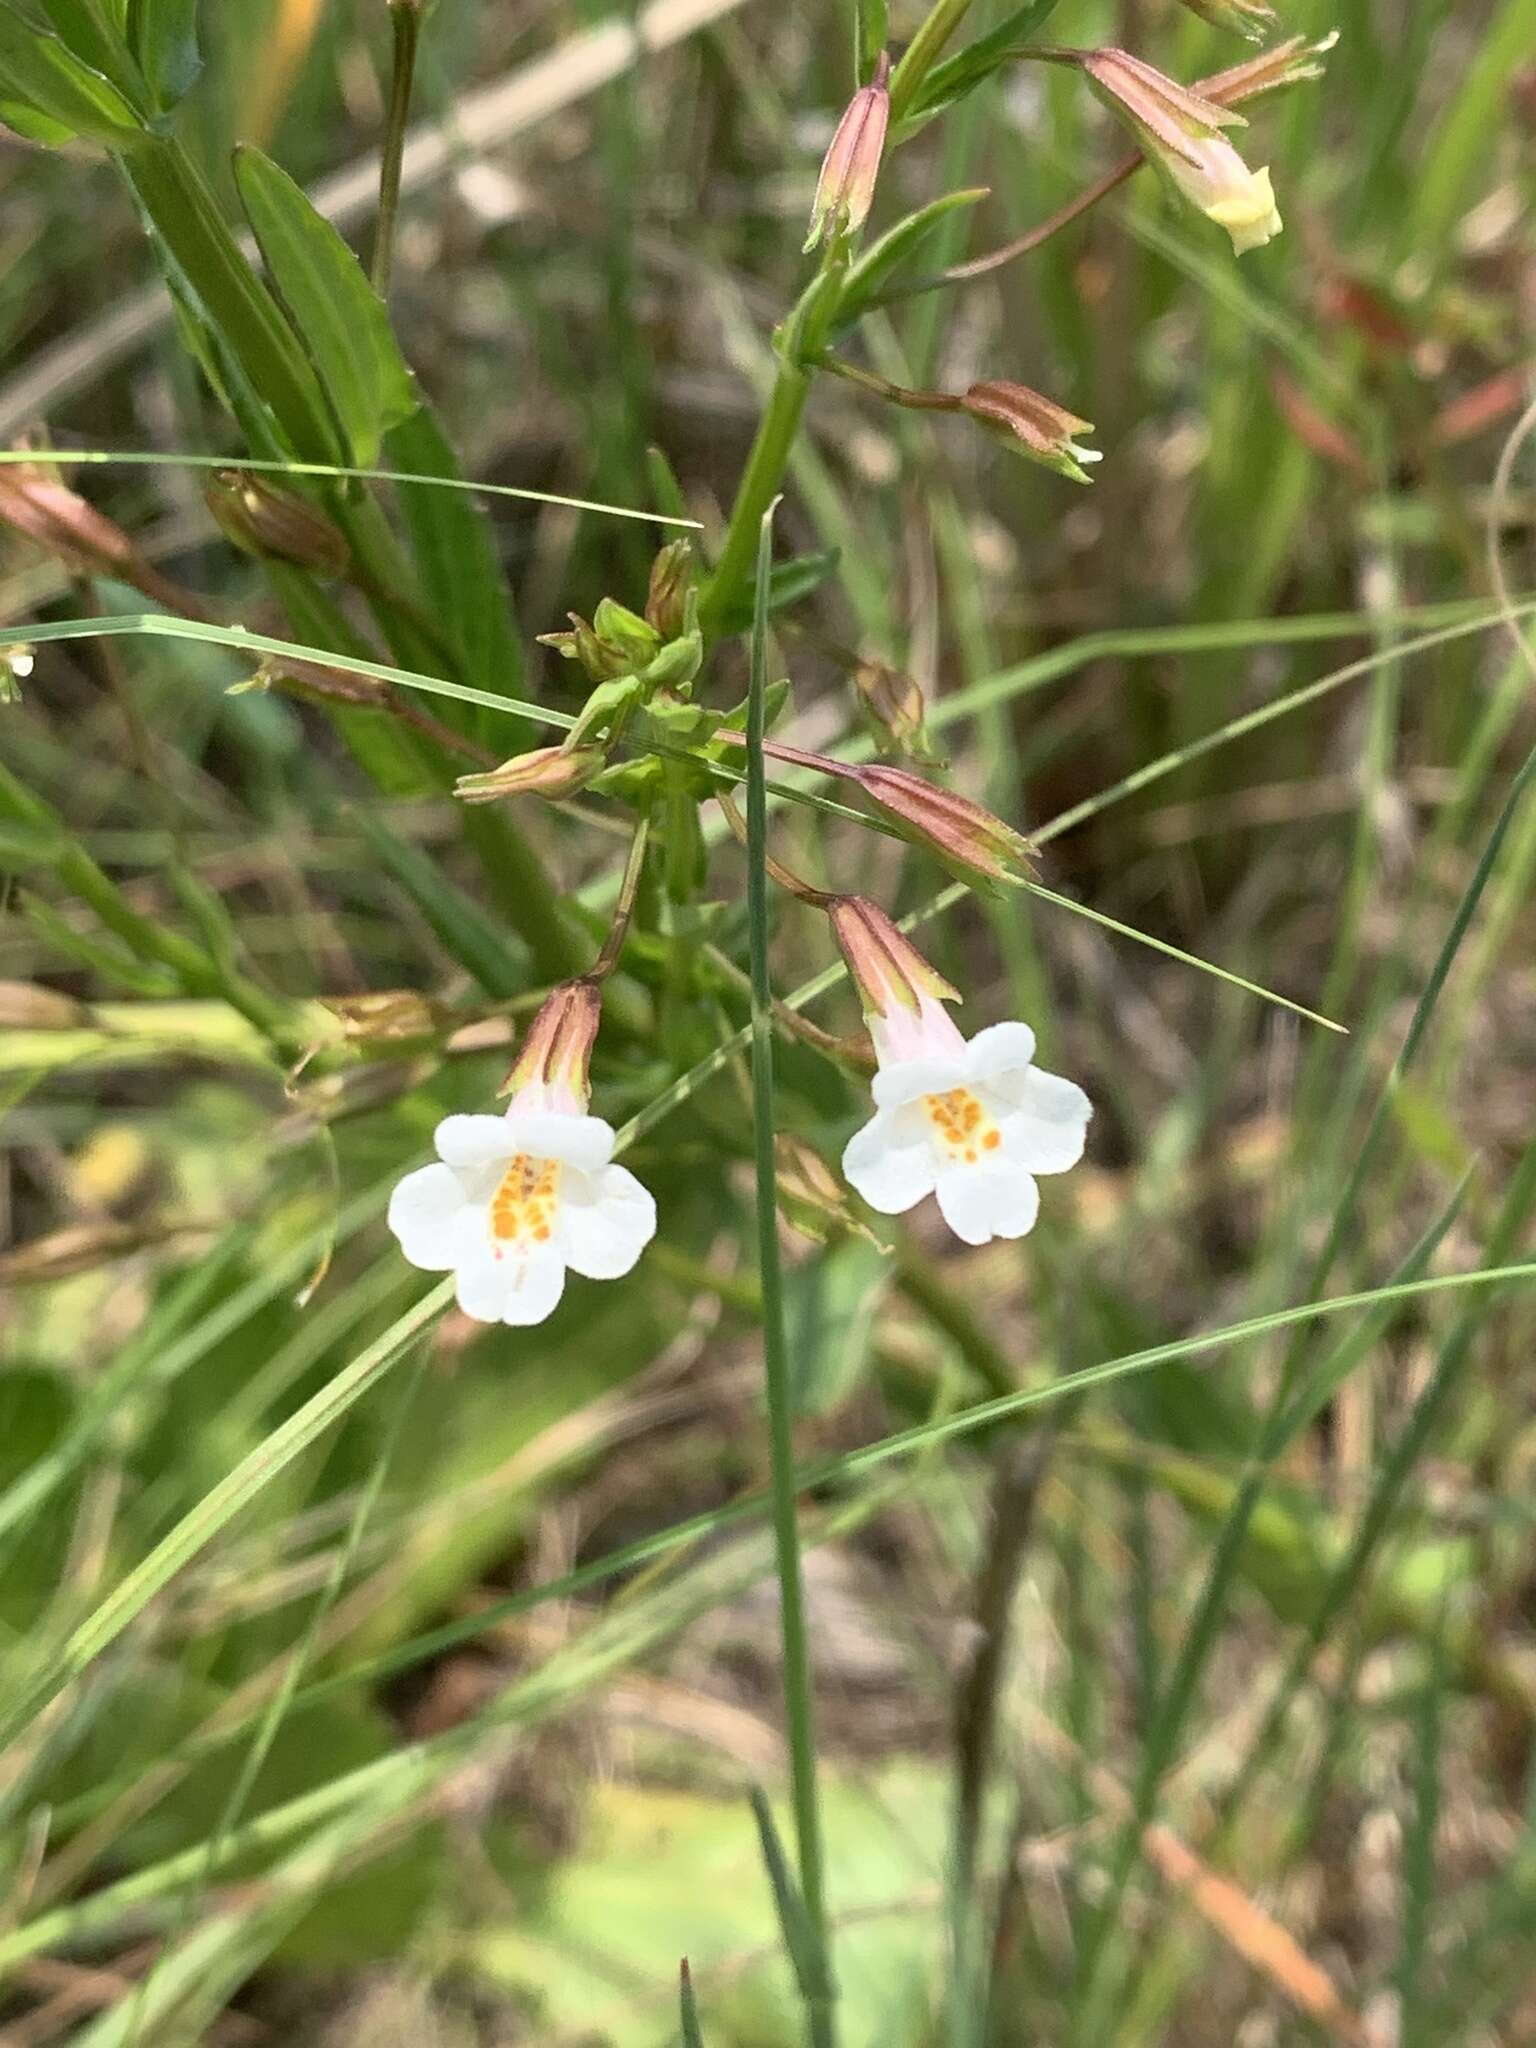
x=216, y=278
x=454, y=544
x=337, y=315
x=789, y=582
x=962, y=73
x=48, y=94
x=880, y=262
x=92, y=30
x=163, y=35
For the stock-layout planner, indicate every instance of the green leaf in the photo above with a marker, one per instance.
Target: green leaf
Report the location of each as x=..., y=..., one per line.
x=49, y=94
x=163, y=36
x=453, y=543
x=789, y=582
x=208, y=267
x=94, y=34
x=594, y=1940
x=688, y=2011
x=867, y=279
x=463, y=928
x=394, y=758
x=830, y=1307
x=802, y=1944
x=968, y=68
x=871, y=26
x=337, y=315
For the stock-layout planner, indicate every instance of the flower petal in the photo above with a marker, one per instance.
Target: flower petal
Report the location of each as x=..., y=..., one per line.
x=468, y=1142
x=1046, y=1126
x=533, y=1287
x=1000, y=1049
x=890, y=1169
x=482, y=1283
x=604, y=1234
x=986, y=1201
x=582, y=1141
x=905, y=1080
x=431, y=1218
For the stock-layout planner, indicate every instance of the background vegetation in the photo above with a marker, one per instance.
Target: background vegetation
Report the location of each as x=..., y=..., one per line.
x=371, y=1677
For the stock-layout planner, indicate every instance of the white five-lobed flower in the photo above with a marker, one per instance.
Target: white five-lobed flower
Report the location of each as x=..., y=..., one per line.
x=515, y=1200
x=970, y=1122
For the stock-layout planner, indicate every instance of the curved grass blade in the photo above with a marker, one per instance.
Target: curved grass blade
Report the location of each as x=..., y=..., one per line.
x=126, y=459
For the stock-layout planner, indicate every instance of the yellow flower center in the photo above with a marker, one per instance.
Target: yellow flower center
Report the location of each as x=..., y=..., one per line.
x=960, y=1124
x=525, y=1200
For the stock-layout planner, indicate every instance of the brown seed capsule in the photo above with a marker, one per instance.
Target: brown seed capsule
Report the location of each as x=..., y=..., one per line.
x=1032, y=425
x=666, y=603
x=274, y=524
x=893, y=705
x=965, y=835
x=35, y=503
x=1292, y=62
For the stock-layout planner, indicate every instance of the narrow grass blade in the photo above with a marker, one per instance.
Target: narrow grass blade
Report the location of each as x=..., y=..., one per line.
x=1129, y=931
x=801, y=1944
x=135, y=459
x=687, y=2007
x=798, y=1699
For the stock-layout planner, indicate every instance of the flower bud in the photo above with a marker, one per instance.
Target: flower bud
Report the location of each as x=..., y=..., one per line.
x=275, y=524
x=551, y=1071
x=666, y=602
x=900, y=993
x=1250, y=18
x=1181, y=133
x=677, y=664
x=893, y=708
x=603, y=664
x=966, y=836
x=626, y=634
x=550, y=772
x=1032, y=426
x=845, y=190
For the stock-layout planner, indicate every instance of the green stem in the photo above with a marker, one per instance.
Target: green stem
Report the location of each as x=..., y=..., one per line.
x=798, y=1700
x=405, y=21
x=760, y=481
x=801, y=343
x=922, y=53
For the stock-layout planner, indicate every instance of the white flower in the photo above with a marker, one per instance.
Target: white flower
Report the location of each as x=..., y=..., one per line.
x=1214, y=177
x=972, y=1123
x=515, y=1200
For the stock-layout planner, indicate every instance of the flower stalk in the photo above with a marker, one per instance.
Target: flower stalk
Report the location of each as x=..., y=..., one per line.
x=405, y=26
